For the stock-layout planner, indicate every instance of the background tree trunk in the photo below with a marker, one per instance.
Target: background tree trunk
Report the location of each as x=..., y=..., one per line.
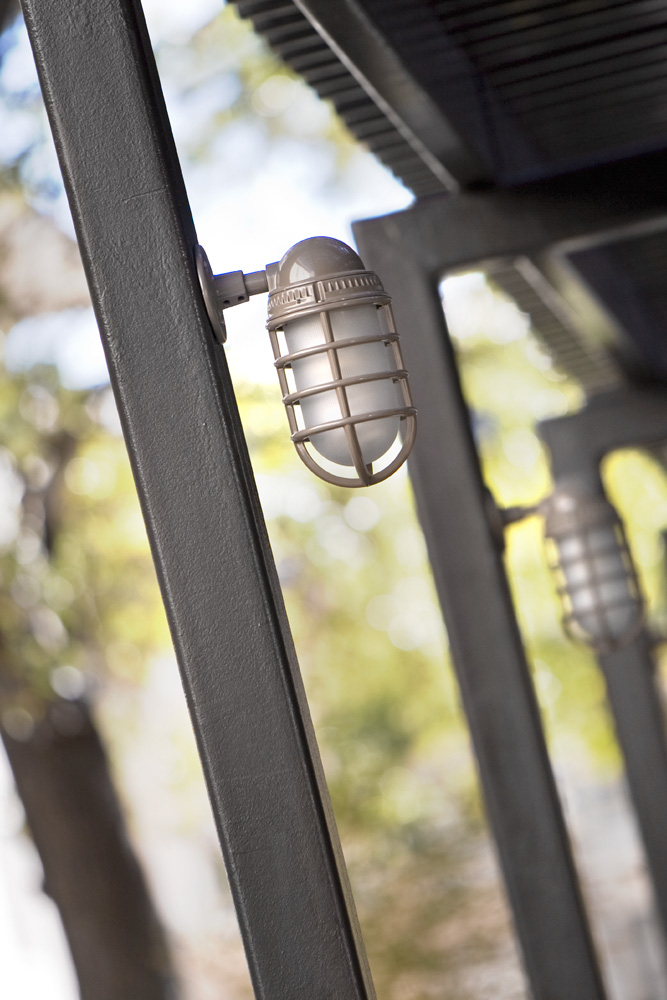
x=118, y=945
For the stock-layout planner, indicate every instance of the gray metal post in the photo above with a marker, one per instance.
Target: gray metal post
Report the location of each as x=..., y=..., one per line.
x=215, y=567
x=498, y=698
x=577, y=444
x=630, y=677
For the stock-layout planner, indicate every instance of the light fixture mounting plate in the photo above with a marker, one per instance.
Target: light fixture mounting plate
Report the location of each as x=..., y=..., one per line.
x=207, y=283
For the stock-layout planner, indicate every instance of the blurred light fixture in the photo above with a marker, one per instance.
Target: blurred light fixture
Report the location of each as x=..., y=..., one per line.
x=337, y=354
x=596, y=578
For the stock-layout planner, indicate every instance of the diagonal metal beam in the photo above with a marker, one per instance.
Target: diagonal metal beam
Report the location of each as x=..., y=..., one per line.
x=191, y=466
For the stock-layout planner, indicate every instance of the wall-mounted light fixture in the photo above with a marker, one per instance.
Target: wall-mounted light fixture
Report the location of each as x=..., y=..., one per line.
x=337, y=354
x=596, y=578
x=589, y=556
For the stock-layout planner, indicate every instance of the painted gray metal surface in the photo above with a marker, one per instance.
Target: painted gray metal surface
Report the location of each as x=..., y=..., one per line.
x=551, y=226
x=193, y=475
x=590, y=208
x=521, y=800
x=629, y=675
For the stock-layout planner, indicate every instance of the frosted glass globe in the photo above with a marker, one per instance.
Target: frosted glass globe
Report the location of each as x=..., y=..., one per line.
x=603, y=601
x=375, y=436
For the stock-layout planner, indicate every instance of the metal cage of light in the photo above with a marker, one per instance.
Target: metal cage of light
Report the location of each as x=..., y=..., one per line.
x=320, y=290
x=325, y=293
x=596, y=578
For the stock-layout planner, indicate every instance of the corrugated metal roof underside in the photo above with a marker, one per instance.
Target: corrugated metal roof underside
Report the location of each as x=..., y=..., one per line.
x=298, y=45
x=582, y=81
x=558, y=83
x=555, y=325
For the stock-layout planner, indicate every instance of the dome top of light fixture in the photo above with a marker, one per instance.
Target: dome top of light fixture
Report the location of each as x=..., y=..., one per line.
x=317, y=257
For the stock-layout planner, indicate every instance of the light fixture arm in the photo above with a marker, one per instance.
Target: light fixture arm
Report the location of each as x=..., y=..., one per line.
x=222, y=291
x=235, y=287
x=519, y=512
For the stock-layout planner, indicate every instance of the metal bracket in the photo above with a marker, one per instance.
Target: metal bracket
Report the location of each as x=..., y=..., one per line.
x=222, y=291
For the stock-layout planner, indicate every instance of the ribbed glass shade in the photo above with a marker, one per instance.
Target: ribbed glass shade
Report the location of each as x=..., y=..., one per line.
x=375, y=436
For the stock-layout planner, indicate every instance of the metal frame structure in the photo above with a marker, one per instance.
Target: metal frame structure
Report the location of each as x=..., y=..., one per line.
x=216, y=571
x=535, y=236
x=413, y=250
x=465, y=552
x=577, y=444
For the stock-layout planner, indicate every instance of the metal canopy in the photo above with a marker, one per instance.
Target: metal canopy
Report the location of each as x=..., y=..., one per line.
x=356, y=95
x=529, y=88
x=581, y=81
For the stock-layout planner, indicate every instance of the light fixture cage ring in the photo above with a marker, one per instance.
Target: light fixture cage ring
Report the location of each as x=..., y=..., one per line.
x=320, y=297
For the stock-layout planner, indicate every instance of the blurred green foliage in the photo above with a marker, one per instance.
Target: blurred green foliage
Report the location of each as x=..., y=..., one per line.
x=78, y=600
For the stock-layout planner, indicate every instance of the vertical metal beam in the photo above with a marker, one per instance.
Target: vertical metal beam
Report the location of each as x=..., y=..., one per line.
x=577, y=444
x=215, y=567
x=633, y=698
x=521, y=800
